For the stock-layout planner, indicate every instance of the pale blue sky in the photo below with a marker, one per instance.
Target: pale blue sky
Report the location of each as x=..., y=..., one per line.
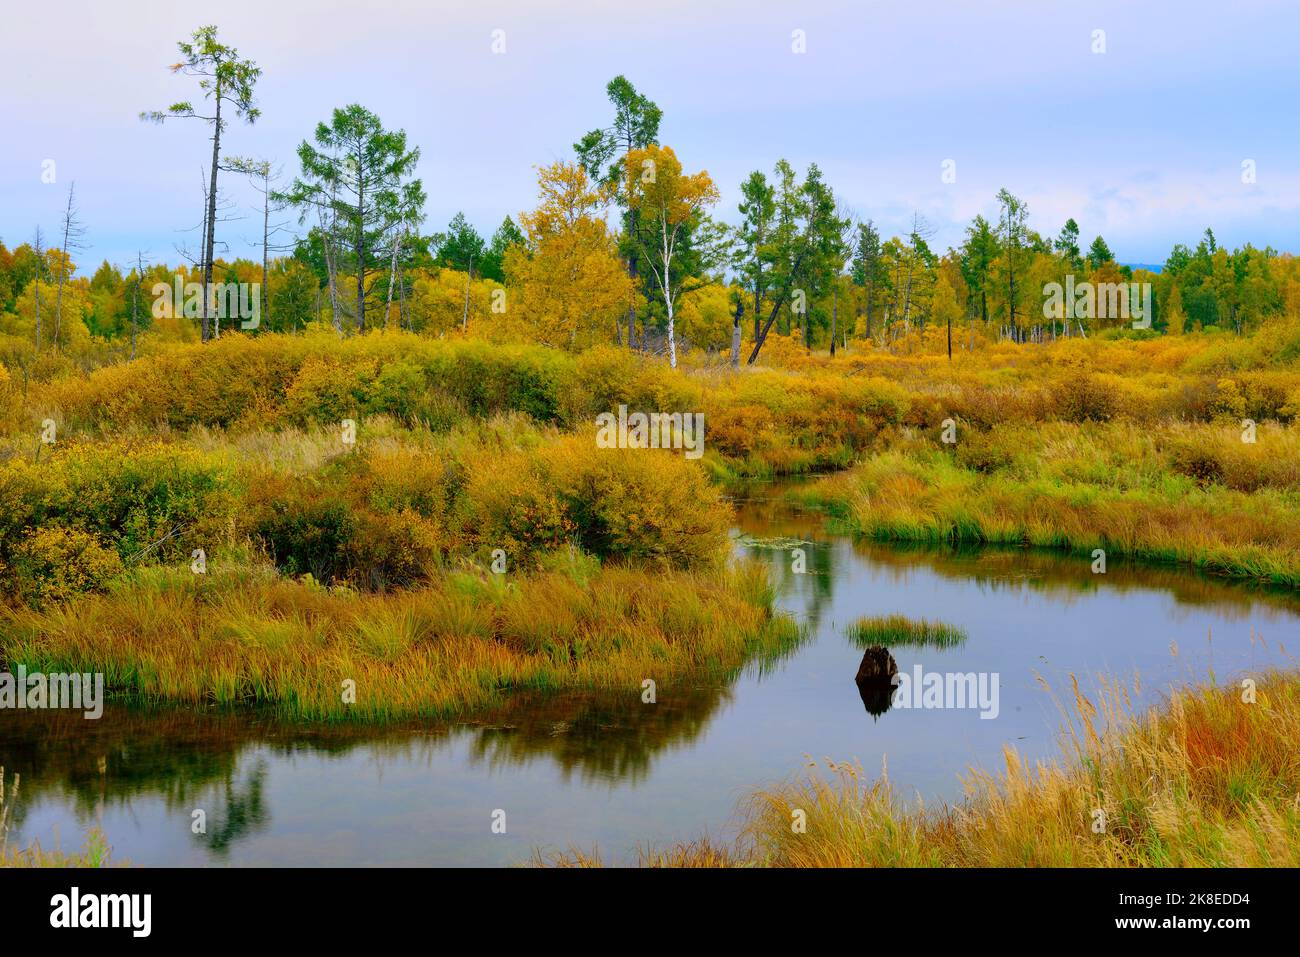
x=1143, y=144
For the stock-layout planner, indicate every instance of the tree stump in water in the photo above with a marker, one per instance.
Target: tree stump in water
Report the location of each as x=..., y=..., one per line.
x=875, y=680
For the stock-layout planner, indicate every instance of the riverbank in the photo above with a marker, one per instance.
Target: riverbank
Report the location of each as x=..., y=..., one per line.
x=1181, y=493
x=240, y=636
x=1207, y=780
x=282, y=499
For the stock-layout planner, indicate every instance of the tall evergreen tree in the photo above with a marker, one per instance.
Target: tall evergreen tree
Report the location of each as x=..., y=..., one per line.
x=227, y=80
x=361, y=174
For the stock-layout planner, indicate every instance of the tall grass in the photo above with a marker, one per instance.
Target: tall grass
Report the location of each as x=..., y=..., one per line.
x=248, y=636
x=1116, y=487
x=1207, y=780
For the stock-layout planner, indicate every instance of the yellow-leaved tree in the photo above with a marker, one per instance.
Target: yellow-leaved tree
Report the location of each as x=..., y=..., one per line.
x=668, y=203
x=566, y=286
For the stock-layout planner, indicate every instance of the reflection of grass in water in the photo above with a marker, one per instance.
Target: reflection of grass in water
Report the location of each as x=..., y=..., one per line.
x=184, y=753
x=597, y=737
x=1206, y=780
x=888, y=630
x=789, y=637
x=1066, y=577
x=95, y=853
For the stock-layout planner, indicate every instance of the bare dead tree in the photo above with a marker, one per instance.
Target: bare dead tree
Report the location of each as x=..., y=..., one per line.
x=135, y=298
x=261, y=174
x=227, y=80
x=73, y=232
x=199, y=262
x=38, y=245
x=921, y=233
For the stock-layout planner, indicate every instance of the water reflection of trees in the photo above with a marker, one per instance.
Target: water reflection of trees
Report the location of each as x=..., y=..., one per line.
x=763, y=511
x=769, y=530
x=218, y=760
x=242, y=812
x=1067, y=578
x=221, y=761
x=610, y=737
x=810, y=590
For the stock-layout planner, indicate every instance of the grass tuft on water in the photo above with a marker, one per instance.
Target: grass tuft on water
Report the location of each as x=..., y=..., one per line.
x=887, y=630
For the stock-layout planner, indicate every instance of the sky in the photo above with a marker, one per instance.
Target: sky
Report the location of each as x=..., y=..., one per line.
x=1143, y=143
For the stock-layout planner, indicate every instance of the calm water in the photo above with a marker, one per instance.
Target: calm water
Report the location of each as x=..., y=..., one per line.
x=617, y=773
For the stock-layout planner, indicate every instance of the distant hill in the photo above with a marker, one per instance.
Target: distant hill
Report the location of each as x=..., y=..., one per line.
x=1147, y=266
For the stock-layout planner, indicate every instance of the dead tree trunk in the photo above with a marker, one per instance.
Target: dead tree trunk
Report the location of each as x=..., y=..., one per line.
x=735, y=333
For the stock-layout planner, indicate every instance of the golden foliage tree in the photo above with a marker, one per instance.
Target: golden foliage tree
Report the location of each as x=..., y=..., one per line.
x=567, y=286
x=669, y=202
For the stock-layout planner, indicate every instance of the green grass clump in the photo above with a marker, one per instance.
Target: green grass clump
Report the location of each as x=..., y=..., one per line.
x=889, y=630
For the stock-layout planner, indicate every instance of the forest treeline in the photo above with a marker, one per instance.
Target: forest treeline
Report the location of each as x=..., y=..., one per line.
x=624, y=246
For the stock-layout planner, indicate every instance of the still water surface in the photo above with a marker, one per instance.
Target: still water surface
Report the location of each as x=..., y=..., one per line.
x=611, y=772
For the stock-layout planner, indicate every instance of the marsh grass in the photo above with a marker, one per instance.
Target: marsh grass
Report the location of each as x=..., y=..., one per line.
x=247, y=636
x=1125, y=489
x=95, y=853
x=1205, y=780
x=890, y=630
x=703, y=853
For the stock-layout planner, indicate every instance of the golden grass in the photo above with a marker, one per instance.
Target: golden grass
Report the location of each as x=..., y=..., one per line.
x=1208, y=780
x=247, y=636
x=95, y=853
x=1116, y=487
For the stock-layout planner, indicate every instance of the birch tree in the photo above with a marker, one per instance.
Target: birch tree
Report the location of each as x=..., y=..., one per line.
x=462, y=249
x=668, y=202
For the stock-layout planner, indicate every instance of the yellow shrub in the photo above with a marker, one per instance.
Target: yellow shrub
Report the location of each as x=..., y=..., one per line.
x=55, y=564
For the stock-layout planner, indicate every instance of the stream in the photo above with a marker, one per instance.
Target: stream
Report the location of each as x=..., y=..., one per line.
x=610, y=772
